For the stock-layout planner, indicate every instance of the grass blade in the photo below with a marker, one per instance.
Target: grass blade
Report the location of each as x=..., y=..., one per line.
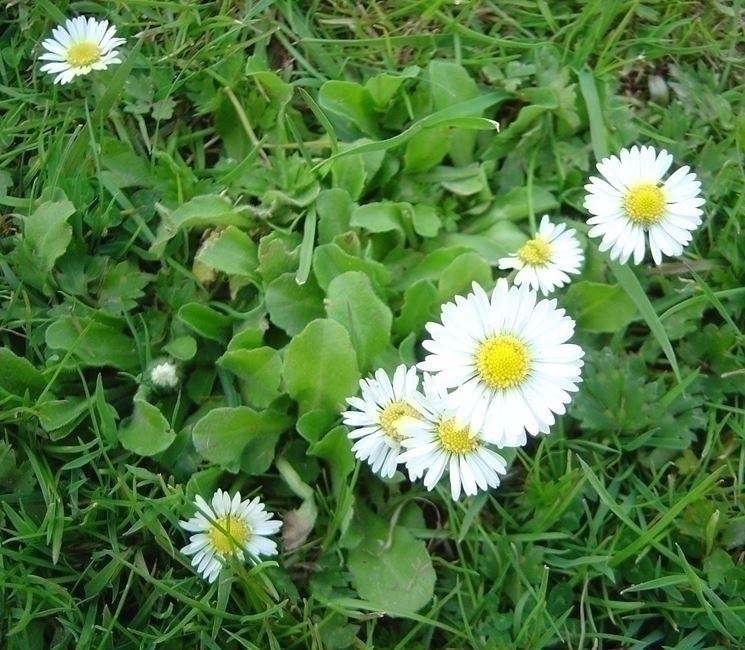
x=631, y=285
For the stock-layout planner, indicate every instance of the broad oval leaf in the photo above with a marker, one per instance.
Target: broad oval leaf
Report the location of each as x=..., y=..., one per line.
x=394, y=575
x=239, y=437
x=320, y=366
x=352, y=301
x=147, y=432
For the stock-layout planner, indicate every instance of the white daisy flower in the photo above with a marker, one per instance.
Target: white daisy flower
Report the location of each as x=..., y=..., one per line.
x=164, y=374
x=81, y=45
x=228, y=528
x=631, y=203
x=374, y=423
x=439, y=441
x=507, y=359
x=544, y=261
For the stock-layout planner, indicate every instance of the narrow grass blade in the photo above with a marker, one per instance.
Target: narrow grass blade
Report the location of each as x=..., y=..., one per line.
x=661, y=525
x=633, y=288
x=321, y=117
x=594, y=112
x=306, y=248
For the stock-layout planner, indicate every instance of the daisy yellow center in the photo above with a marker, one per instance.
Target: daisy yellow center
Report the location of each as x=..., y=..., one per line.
x=83, y=53
x=644, y=204
x=455, y=440
x=390, y=416
x=536, y=252
x=502, y=361
x=228, y=534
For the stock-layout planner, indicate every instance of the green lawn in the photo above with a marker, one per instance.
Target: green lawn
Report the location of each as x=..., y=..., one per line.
x=278, y=196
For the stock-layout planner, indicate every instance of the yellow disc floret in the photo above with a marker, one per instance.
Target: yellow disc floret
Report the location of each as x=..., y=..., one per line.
x=535, y=252
x=644, y=204
x=502, y=361
x=228, y=534
x=455, y=440
x=390, y=416
x=83, y=53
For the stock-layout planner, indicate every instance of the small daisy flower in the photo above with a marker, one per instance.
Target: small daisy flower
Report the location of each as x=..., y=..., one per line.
x=631, y=203
x=544, y=261
x=80, y=46
x=374, y=423
x=228, y=528
x=439, y=441
x=507, y=360
x=164, y=374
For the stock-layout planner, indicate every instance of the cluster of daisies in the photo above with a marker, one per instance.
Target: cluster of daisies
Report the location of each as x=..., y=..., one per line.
x=499, y=367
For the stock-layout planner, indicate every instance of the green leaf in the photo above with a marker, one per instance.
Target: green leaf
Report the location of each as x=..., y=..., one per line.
x=48, y=233
x=349, y=175
x=377, y=217
x=239, y=437
x=421, y=305
x=351, y=102
x=452, y=84
x=430, y=267
x=59, y=414
x=205, y=321
x=277, y=255
x=392, y=570
x=92, y=342
x=320, y=366
x=384, y=86
x=330, y=260
x=260, y=371
x=208, y=211
x=334, y=209
x=121, y=287
x=599, y=307
x=147, y=432
x=516, y=204
x=352, y=301
x=182, y=348
x=336, y=449
x=230, y=251
x=503, y=238
x=274, y=88
x=426, y=149
x=463, y=271
x=292, y=306
x=46, y=236
x=426, y=221
x=19, y=376
x=314, y=424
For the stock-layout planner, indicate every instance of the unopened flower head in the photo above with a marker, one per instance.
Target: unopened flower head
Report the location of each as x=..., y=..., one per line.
x=507, y=359
x=226, y=529
x=80, y=46
x=164, y=374
x=377, y=412
x=545, y=261
x=439, y=442
x=631, y=203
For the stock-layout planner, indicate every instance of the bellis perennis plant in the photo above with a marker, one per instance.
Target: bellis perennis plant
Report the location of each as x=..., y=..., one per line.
x=501, y=368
